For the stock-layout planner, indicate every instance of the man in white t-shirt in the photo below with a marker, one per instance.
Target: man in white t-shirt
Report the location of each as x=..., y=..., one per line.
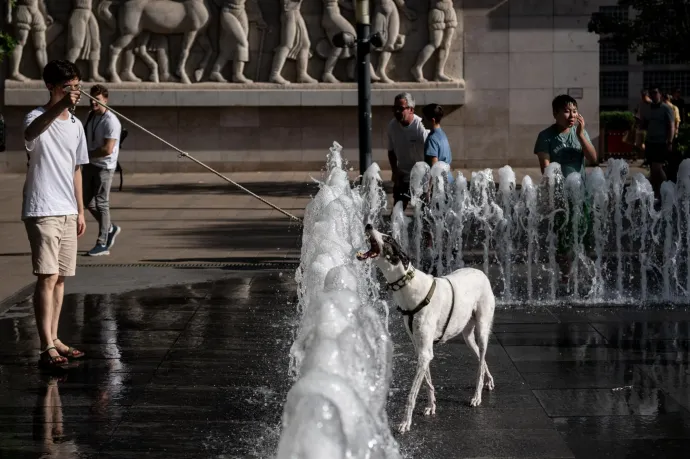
x=406, y=137
x=103, y=140
x=52, y=207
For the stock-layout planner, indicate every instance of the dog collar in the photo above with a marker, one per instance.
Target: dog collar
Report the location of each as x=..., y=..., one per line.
x=403, y=281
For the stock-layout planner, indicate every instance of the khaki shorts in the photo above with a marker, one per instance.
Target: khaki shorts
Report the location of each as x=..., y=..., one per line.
x=53, y=244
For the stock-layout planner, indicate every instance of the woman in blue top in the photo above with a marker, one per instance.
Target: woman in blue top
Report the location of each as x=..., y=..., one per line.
x=567, y=143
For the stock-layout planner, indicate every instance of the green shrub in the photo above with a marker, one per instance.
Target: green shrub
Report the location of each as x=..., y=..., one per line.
x=616, y=121
x=7, y=44
x=7, y=41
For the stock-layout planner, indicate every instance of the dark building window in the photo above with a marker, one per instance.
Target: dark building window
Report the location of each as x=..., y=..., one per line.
x=668, y=80
x=613, y=84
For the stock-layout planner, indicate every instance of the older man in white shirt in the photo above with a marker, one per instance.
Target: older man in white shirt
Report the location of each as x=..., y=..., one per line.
x=406, y=137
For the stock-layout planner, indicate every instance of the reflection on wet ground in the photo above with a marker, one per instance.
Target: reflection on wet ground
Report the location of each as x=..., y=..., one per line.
x=201, y=371
x=184, y=371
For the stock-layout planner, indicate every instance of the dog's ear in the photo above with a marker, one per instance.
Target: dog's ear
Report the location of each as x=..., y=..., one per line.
x=394, y=253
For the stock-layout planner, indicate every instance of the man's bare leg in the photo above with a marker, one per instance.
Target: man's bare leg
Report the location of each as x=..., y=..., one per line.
x=58, y=295
x=44, y=307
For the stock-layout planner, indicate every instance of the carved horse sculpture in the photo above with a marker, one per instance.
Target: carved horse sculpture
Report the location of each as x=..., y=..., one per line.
x=138, y=19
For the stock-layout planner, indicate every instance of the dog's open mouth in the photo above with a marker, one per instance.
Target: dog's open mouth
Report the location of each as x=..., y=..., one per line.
x=375, y=248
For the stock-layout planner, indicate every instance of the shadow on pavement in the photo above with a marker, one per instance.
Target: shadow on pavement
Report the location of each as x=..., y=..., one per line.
x=272, y=189
x=249, y=235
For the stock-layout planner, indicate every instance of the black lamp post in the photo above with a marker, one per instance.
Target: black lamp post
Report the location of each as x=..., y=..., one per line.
x=364, y=42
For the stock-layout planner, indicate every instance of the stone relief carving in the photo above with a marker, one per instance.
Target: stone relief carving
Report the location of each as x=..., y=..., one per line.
x=294, y=44
x=83, y=37
x=333, y=23
x=140, y=18
x=234, y=37
x=144, y=28
x=442, y=24
x=387, y=23
x=28, y=17
x=160, y=46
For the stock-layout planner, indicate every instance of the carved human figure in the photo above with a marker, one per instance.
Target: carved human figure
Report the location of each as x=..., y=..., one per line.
x=387, y=24
x=442, y=24
x=160, y=46
x=334, y=23
x=30, y=16
x=294, y=44
x=234, y=37
x=150, y=43
x=83, y=37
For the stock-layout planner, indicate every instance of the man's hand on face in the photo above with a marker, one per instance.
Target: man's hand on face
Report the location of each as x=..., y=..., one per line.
x=580, y=125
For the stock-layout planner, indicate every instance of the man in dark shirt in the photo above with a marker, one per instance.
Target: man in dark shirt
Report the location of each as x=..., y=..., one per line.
x=659, y=122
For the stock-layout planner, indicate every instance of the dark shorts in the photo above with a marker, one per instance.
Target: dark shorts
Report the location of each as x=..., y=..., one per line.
x=657, y=153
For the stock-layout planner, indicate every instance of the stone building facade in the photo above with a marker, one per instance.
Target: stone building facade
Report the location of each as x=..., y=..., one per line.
x=504, y=62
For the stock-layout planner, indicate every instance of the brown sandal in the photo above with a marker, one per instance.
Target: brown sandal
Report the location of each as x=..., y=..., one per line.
x=48, y=361
x=72, y=353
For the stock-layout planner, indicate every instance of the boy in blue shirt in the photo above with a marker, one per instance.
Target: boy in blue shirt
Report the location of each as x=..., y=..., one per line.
x=436, y=146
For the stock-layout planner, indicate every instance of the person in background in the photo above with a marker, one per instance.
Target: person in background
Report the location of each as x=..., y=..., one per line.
x=436, y=146
x=674, y=159
x=639, y=137
x=659, y=122
x=679, y=102
x=567, y=143
x=52, y=207
x=406, y=137
x=103, y=139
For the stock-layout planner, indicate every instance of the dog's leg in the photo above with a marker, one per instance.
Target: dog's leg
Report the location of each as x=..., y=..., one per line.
x=481, y=333
x=431, y=408
x=424, y=356
x=468, y=334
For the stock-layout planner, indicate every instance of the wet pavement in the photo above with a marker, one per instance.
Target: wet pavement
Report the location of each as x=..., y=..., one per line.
x=200, y=370
x=195, y=370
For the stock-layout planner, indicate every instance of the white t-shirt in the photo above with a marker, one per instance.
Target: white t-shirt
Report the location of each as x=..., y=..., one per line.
x=407, y=142
x=54, y=156
x=98, y=129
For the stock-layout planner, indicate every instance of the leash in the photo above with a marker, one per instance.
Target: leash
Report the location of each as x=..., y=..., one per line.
x=188, y=156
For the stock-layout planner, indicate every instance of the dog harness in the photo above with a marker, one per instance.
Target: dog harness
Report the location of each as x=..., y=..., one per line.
x=403, y=281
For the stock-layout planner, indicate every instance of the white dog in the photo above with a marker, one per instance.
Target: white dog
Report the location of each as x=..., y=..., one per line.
x=436, y=310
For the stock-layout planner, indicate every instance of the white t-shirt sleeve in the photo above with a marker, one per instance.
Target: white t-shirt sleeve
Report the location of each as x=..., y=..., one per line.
x=28, y=119
x=82, y=156
x=423, y=132
x=112, y=128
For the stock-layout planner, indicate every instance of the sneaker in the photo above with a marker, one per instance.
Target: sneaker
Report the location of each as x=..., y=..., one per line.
x=114, y=231
x=98, y=251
